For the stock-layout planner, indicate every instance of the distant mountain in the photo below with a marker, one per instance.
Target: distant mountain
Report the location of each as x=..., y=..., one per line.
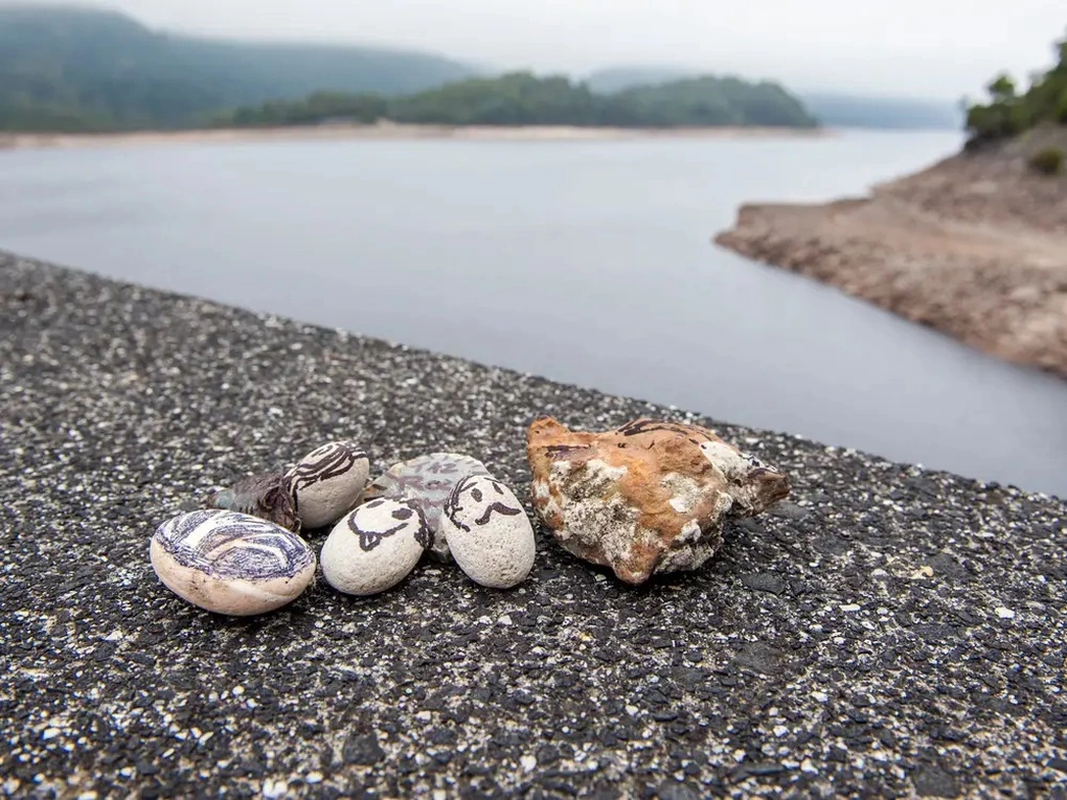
x=835, y=109
x=861, y=111
x=69, y=68
x=72, y=68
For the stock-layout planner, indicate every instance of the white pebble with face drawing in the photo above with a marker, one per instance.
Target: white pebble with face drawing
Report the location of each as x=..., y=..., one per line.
x=488, y=532
x=375, y=547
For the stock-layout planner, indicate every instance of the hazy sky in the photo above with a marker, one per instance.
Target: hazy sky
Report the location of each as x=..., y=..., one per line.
x=919, y=47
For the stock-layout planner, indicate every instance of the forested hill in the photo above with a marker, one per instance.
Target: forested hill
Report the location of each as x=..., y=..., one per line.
x=521, y=98
x=71, y=68
x=836, y=109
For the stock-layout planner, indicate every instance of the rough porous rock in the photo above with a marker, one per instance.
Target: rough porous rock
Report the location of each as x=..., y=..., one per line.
x=428, y=480
x=374, y=547
x=231, y=563
x=488, y=532
x=328, y=482
x=649, y=497
x=268, y=496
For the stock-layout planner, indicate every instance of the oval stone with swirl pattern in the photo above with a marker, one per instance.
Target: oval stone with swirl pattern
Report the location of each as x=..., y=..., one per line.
x=231, y=563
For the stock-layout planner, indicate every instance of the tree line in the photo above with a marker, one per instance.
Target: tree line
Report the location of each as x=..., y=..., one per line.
x=521, y=98
x=1010, y=112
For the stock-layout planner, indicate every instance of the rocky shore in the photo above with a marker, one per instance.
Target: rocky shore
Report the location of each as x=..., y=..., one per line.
x=888, y=631
x=974, y=246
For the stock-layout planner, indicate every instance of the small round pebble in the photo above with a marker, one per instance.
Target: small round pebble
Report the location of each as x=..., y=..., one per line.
x=328, y=482
x=375, y=547
x=231, y=563
x=488, y=532
x=428, y=480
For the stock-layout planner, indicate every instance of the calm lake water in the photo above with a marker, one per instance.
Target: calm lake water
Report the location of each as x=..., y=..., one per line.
x=586, y=262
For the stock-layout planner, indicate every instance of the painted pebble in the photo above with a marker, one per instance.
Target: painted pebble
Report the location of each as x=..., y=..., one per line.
x=328, y=482
x=231, y=563
x=374, y=547
x=488, y=531
x=428, y=480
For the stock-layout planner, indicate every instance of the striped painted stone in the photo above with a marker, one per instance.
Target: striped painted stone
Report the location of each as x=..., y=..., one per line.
x=231, y=563
x=328, y=482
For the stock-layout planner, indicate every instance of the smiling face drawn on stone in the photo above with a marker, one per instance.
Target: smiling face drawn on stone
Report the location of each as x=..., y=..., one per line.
x=373, y=522
x=478, y=498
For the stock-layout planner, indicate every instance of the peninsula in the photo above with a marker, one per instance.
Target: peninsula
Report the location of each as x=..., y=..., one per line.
x=974, y=246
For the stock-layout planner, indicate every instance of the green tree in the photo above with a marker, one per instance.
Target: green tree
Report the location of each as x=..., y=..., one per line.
x=1009, y=113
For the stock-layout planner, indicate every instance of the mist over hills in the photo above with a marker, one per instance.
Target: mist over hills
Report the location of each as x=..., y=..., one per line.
x=77, y=68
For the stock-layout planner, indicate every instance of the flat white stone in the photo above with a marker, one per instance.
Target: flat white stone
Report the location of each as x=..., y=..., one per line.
x=428, y=480
x=328, y=482
x=231, y=563
x=374, y=547
x=488, y=532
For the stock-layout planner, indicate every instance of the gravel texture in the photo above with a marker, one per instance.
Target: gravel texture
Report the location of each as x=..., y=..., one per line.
x=886, y=632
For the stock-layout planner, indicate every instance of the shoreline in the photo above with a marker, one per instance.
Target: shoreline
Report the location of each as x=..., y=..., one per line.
x=395, y=132
x=974, y=246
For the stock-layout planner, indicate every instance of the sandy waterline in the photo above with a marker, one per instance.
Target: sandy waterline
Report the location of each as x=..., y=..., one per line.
x=547, y=133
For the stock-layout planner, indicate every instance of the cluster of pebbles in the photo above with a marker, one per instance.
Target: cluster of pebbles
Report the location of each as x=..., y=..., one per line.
x=648, y=498
x=244, y=554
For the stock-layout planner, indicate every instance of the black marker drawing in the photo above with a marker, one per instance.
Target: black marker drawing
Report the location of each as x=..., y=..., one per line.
x=650, y=425
x=427, y=480
x=226, y=544
x=369, y=539
x=455, y=502
x=328, y=461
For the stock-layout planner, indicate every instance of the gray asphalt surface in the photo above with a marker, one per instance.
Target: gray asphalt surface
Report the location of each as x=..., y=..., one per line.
x=886, y=632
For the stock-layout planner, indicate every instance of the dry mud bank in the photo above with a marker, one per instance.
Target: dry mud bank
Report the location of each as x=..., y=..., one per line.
x=974, y=246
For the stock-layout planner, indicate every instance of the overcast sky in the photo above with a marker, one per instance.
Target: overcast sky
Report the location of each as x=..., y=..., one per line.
x=906, y=47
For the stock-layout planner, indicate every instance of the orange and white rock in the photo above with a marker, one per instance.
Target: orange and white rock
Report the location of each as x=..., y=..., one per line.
x=650, y=497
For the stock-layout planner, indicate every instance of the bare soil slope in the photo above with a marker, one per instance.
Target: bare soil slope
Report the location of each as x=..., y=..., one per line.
x=975, y=246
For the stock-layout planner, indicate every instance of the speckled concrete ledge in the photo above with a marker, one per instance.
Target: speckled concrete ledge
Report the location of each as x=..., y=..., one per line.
x=891, y=632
